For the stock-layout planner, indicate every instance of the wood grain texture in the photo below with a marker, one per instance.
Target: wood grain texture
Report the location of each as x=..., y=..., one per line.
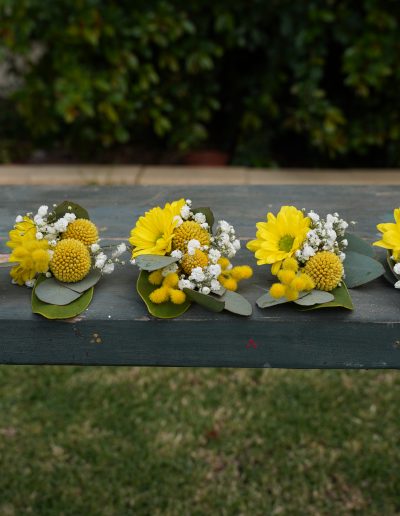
x=116, y=329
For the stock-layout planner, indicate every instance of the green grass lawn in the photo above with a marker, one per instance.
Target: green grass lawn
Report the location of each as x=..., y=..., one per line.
x=120, y=441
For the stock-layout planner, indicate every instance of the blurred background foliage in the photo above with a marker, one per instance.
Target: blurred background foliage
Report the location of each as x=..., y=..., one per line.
x=285, y=83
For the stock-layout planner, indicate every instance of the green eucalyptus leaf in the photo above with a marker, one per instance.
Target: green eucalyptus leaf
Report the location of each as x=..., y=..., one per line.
x=389, y=275
x=68, y=207
x=60, y=312
x=358, y=245
x=220, y=292
x=315, y=297
x=361, y=269
x=236, y=303
x=209, y=302
x=266, y=301
x=166, y=310
x=208, y=214
x=52, y=292
x=153, y=262
x=89, y=281
x=341, y=299
x=8, y=264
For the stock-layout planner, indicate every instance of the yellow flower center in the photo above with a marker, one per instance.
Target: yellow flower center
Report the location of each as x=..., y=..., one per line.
x=71, y=261
x=189, y=230
x=285, y=243
x=83, y=230
x=325, y=269
x=190, y=261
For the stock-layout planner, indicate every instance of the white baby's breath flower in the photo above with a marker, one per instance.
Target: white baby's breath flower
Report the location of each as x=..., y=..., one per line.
x=108, y=268
x=214, y=270
x=101, y=259
x=215, y=285
x=236, y=244
x=39, y=235
x=42, y=211
x=197, y=275
x=205, y=290
x=185, y=211
x=214, y=255
x=70, y=217
x=183, y=283
x=193, y=244
x=200, y=218
x=121, y=248
x=61, y=225
x=38, y=220
x=48, y=274
x=19, y=219
x=397, y=284
x=313, y=216
x=177, y=254
x=95, y=248
x=30, y=283
x=396, y=268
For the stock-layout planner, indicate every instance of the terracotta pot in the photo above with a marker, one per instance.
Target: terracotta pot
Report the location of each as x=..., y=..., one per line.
x=207, y=158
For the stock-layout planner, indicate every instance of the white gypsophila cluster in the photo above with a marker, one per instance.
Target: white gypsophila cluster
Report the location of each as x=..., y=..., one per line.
x=203, y=279
x=103, y=262
x=186, y=213
x=324, y=235
x=225, y=240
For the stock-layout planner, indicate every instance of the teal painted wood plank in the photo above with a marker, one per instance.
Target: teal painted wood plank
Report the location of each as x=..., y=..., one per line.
x=369, y=337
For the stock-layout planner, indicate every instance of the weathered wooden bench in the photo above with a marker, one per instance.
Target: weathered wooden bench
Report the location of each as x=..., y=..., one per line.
x=116, y=329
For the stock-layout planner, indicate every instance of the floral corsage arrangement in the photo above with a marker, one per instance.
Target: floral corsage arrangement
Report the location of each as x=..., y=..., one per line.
x=390, y=241
x=58, y=253
x=313, y=258
x=182, y=260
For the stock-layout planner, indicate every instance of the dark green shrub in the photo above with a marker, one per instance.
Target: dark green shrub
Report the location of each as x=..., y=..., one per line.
x=293, y=83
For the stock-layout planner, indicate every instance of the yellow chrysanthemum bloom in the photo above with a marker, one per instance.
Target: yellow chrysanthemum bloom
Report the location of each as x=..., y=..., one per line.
x=189, y=230
x=168, y=291
x=83, y=230
x=230, y=276
x=391, y=235
x=71, y=261
x=32, y=255
x=325, y=269
x=154, y=231
x=280, y=237
x=190, y=261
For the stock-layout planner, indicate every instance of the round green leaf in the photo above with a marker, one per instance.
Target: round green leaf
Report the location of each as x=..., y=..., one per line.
x=52, y=292
x=69, y=207
x=209, y=302
x=60, y=312
x=236, y=303
x=89, y=281
x=166, y=310
x=341, y=299
x=358, y=245
x=361, y=269
x=267, y=301
x=315, y=297
x=153, y=262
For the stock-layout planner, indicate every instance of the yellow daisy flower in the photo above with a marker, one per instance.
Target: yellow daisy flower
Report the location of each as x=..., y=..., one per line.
x=280, y=237
x=391, y=235
x=153, y=231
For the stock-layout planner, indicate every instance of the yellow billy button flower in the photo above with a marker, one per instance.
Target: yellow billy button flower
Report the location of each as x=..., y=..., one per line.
x=168, y=290
x=230, y=276
x=71, y=261
x=83, y=230
x=189, y=230
x=190, y=261
x=325, y=269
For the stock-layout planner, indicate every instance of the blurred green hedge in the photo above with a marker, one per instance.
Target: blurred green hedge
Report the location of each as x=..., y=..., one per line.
x=277, y=82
